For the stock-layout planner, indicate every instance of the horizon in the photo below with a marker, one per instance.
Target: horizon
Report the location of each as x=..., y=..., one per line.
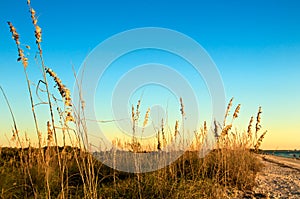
x=254, y=45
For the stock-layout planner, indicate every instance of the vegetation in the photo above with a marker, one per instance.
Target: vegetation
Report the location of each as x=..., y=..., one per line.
x=53, y=171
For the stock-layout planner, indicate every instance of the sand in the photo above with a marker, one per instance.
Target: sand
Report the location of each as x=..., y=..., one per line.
x=280, y=178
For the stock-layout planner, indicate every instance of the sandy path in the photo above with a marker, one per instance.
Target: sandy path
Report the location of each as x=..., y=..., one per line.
x=280, y=178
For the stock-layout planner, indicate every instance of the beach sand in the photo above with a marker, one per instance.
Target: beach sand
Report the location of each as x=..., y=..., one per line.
x=280, y=178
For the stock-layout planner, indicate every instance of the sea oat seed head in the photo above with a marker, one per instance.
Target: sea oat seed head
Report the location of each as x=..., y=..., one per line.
x=146, y=117
x=182, y=107
x=236, y=112
x=258, y=120
x=176, y=127
x=249, y=128
x=16, y=37
x=227, y=111
x=226, y=130
x=132, y=113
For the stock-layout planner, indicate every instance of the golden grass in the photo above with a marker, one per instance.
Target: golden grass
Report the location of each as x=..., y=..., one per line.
x=53, y=171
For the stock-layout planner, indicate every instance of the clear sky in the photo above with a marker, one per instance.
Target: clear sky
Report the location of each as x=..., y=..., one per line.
x=255, y=45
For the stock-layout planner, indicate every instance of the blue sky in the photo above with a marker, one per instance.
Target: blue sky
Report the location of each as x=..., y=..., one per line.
x=255, y=45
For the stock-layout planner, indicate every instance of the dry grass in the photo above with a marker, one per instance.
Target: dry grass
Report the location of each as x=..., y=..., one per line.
x=53, y=171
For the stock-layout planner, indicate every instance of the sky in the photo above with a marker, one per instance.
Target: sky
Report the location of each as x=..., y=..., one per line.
x=255, y=46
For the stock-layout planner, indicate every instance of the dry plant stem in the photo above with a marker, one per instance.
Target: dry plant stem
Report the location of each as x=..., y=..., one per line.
x=227, y=111
x=25, y=167
x=33, y=110
x=145, y=122
x=259, y=141
x=62, y=124
x=25, y=64
x=81, y=119
x=40, y=52
x=47, y=174
x=257, y=125
x=12, y=116
x=38, y=42
x=164, y=144
x=249, y=132
x=182, y=121
x=22, y=58
x=51, y=115
x=48, y=93
x=133, y=124
x=86, y=169
x=183, y=141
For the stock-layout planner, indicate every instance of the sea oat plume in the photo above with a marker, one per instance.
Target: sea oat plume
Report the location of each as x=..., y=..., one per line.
x=146, y=117
x=65, y=94
x=249, y=132
x=176, y=128
x=38, y=34
x=227, y=111
x=182, y=107
x=258, y=118
x=226, y=130
x=16, y=37
x=163, y=132
x=137, y=109
x=259, y=141
x=158, y=141
x=38, y=30
x=216, y=134
x=69, y=117
x=237, y=111
x=204, y=127
x=132, y=113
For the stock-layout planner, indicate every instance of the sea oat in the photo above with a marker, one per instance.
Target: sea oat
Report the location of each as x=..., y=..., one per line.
x=163, y=133
x=158, y=141
x=138, y=109
x=249, y=131
x=204, y=127
x=38, y=30
x=182, y=107
x=216, y=134
x=132, y=114
x=14, y=135
x=49, y=133
x=16, y=37
x=176, y=128
x=237, y=111
x=258, y=118
x=65, y=94
x=63, y=90
x=227, y=111
x=259, y=141
x=146, y=117
x=225, y=130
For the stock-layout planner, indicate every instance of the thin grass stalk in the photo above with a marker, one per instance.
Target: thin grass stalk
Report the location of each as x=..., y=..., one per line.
x=182, y=121
x=249, y=132
x=86, y=168
x=38, y=35
x=227, y=111
x=25, y=64
x=258, y=120
x=163, y=133
x=23, y=165
x=81, y=119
